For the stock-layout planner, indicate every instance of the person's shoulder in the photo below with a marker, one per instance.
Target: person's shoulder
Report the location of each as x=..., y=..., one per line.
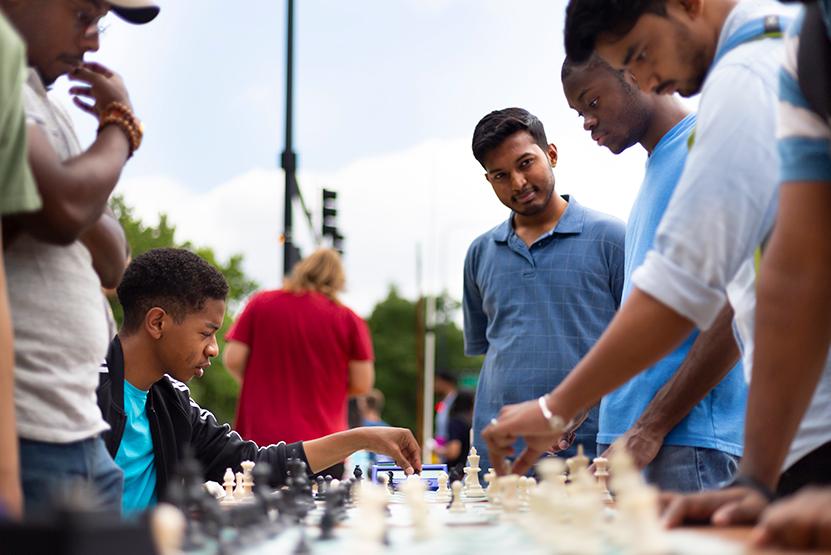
x=172, y=390
x=487, y=238
x=600, y=223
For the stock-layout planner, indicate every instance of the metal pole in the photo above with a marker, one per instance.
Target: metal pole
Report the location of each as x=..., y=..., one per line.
x=289, y=158
x=429, y=377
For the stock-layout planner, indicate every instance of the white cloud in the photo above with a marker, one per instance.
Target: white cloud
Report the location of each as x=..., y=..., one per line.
x=433, y=195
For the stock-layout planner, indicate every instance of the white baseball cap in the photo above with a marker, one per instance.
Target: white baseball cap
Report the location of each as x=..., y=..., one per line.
x=135, y=11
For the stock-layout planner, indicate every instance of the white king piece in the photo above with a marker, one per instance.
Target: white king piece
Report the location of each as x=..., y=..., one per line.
x=473, y=489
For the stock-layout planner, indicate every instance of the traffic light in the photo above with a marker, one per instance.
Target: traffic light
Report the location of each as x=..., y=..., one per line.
x=329, y=225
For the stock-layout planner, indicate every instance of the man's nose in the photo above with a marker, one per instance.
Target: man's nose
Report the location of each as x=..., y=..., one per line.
x=213, y=348
x=589, y=122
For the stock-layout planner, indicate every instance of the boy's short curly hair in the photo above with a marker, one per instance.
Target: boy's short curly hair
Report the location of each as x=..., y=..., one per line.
x=176, y=280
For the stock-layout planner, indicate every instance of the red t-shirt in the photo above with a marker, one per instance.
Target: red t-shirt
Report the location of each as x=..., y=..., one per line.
x=295, y=382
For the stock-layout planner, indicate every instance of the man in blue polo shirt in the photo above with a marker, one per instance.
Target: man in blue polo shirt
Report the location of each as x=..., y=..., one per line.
x=681, y=419
x=539, y=288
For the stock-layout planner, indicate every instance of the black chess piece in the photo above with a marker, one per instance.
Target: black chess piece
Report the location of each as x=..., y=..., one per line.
x=391, y=474
x=330, y=517
x=358, y=472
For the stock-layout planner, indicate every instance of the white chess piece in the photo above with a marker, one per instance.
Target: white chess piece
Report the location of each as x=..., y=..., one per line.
x=247, y=476
x=457, y=506
x=167, y=524
x=601, y=474
x=443, y=493
x=414, y=489
x=370, y=520
x=472, y=487
x=228, y=482
x=385, y=482
x=578, y=462
x=239, y=491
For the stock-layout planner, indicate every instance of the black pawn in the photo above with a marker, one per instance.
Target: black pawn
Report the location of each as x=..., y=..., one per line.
x=391, y=474
x=358, y=473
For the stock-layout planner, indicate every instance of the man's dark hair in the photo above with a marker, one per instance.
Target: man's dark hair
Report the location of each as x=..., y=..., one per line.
x=588, y=19
x=594, y=62
x=493, y=129
x=176, y=280
x=374, y=400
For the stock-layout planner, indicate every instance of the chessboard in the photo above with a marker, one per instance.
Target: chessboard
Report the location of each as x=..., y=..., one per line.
x=569, y=510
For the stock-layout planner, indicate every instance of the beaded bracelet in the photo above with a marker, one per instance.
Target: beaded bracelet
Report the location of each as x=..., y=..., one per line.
x=118, y=114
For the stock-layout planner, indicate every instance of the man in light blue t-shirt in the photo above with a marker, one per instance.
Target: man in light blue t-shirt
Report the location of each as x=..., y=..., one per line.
x=682, y=418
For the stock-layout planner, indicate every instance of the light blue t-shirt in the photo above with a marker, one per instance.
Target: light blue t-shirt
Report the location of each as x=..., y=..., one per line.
x=535, y=311
x=135, y=454
x=716, y=421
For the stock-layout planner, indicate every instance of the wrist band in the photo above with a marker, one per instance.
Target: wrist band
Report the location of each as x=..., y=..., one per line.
x=744, y=480
x=554, y=422
x=118, y=114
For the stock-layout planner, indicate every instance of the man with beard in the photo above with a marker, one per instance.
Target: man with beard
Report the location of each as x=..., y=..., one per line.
x=682, y=419
x=539, y=288
x=722, y=211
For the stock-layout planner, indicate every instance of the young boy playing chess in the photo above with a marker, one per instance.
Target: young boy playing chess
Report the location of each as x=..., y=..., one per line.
x=174, y=303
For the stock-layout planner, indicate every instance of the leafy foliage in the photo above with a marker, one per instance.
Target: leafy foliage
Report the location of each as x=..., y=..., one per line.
x=394, y=332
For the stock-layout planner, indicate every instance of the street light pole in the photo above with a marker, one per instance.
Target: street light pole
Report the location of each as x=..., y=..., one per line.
x=289, y=158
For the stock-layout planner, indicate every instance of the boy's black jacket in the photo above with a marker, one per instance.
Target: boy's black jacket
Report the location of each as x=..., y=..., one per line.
x=176, y=421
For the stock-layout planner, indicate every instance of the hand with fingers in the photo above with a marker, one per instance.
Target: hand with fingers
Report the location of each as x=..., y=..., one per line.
x=642, y=444
x=725, y=507
x=101, y=87
x=525, y=420
x=398, y=443
x=801, y=521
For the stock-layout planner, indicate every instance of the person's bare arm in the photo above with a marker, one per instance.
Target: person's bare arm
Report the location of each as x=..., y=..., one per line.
x=11, y=496
x=397, y=443
x=235, y=358
x=361, y=376
x=75, y=191
x=713, y=354
x=793, y=327
x=793, y=331
x=107, y=244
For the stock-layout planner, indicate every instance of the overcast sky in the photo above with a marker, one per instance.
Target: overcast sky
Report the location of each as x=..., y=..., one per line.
x=387, y=94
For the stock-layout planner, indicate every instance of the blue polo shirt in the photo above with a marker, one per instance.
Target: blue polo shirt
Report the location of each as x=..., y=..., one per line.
x=717, y=421
x=535, y=311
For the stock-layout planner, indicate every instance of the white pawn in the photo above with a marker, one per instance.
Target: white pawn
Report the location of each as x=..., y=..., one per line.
x=443, y=493
x=457, y=506
x=239, y=491
x=413, y=489
x=228, y=483
x=385, y=482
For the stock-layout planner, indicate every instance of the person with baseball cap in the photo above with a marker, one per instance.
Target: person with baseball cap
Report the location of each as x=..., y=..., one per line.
x=59, y=256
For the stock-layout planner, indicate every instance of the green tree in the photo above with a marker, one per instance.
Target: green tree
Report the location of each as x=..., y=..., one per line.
x=216, y=390
x=394, y=335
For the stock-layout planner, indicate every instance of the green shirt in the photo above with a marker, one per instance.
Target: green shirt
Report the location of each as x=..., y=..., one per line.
x=18, y=191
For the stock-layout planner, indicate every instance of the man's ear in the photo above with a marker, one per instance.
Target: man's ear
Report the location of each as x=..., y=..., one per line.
x=154, y=322
x=692, y=8
x=552, y=155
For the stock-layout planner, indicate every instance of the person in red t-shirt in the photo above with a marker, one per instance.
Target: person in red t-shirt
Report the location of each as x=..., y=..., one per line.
x=298, y=353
